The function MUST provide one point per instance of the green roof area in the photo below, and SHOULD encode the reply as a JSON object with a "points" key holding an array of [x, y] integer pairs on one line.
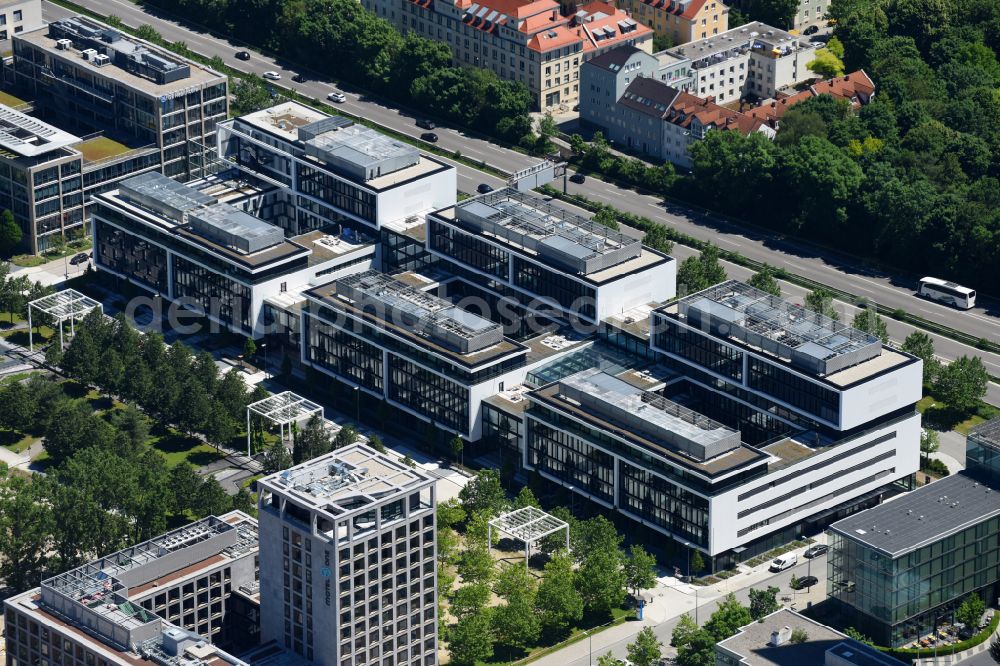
{"points": [[101, 147], [10, 100]]}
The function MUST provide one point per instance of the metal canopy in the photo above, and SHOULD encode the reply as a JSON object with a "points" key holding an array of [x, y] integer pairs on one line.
{"points": [[282, 409], [66, 305], [528, 524]]}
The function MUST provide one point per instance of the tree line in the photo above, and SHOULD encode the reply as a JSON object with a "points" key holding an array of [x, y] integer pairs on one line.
{"points": [[911, 179], [579, 587], [171, 383], [342, 40], [104, 488]]}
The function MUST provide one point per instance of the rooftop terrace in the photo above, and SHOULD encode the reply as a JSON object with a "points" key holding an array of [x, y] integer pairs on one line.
{"points": [[755, 36], [553, 233], [808, 340]]}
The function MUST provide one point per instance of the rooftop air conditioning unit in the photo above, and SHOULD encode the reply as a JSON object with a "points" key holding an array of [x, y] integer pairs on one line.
{"points": [[89, 54], [64, 44], [100, 60]]}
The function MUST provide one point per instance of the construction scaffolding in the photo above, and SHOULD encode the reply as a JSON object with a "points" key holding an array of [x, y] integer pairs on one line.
{"points": [[529, 524], [282, 409], [66, 305]]}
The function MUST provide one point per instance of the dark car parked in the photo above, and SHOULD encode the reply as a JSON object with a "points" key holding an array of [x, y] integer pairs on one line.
{"points": [[79, 259], [423, 123], [429, 136], [805, 581], [578, 178], [242, 55], [484, 188], [811, 30], [816, 549], [298, 78]]}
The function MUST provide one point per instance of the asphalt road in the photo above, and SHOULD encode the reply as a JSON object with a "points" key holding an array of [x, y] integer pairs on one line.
{"points": [[800, 258]]}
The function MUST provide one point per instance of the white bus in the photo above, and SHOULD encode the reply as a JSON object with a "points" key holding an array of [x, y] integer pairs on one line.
{"points": [[947, 292]]}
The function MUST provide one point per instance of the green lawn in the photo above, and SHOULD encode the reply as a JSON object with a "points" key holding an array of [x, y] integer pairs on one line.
{"points": [[20, 336], [15, 440], [619, 615], [16, 377], [177, 447], [9, 320], [940, 416], [10, 100], [101, 147], [28, 260]]}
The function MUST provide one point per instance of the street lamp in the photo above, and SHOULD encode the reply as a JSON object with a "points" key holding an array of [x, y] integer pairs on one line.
{"points": [[263, 346]]}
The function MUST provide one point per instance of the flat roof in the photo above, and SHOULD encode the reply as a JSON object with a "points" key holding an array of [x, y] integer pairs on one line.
{"points": [[753, 644], [29, 137], [425, 320], [921, 517], [732, 460], [553, 233], [738, 40], [199, 74], [778, 328], [340, 137], [986, 433], [333, 482]]}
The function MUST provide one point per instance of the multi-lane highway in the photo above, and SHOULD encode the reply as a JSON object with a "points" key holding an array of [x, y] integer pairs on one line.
{"points": [[892, 291]]}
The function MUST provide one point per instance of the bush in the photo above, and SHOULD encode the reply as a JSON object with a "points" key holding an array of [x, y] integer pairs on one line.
{"points": [[934, 466]]}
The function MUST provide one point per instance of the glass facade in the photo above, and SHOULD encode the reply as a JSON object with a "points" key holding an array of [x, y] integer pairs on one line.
{"points": [[571, 459], [698, 348], [790, 388], [982, 458], [429, 394], [895, 601], [662, 503], [572, 295], [131, 256], [403, 253], [218, 296], [344, 354], [469, 250], [336, 192]]}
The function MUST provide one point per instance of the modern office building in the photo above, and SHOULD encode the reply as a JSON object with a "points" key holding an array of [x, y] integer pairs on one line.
{"points": [[47, 176], [397, 345], [752, 61], [91, 77], [681, 21], [898, 571], [768, 642], [163, 600], [329, 170], [208, 255], [349, 558], [17, 16], [760, 422], [528, 41], [547, 260]]}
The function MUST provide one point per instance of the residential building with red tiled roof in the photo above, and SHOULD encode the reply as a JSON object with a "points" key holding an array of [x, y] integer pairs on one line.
{"points": [[856, 88], [521, 40], [681, 21]]}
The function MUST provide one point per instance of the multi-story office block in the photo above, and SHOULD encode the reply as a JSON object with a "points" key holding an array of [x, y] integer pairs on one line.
{"points": [[348, 553], [329, 170], [549, 261], [47, 176], [754, 60], [764, 422], [162, 600], [898, 571], [93, 78], [416, 352], [526, 40], [681, 21], [212, 257], [17, 16]]}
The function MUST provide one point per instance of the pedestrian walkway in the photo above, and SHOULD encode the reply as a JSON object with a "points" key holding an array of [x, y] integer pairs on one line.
{"points": [[945, 660]]}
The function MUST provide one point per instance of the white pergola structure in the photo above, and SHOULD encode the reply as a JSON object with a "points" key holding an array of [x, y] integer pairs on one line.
{"points": [[66, 305], [283, 409], [528, 524]]}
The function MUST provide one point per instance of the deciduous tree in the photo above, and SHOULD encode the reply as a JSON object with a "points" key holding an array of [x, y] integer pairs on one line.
{"points": [[559, 603], [962, 383], [763, 602], [640, 569], [645, 650]]}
